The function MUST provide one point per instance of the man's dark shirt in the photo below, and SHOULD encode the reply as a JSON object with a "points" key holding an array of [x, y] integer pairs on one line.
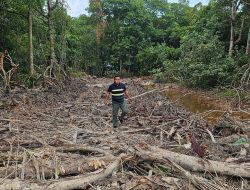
{"points": [[117, 92]]}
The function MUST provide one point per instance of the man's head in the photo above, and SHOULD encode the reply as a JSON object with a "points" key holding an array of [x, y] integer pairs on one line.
{"points": [[117, 79]]}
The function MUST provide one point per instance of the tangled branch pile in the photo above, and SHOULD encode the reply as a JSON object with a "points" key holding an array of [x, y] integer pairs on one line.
{"points": [[63, 139]]}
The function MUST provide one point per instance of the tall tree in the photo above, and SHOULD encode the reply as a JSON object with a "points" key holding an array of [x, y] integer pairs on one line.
{"points": [[97, 12], [50, 8], [31, 54], [248, 43], [61, 26], [31, 6], [234, 8], [248, 38], [47, 12], [96, 9]]}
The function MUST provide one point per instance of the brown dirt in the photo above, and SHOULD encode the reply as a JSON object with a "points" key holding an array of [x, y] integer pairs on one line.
{"points": [[37, 126]]}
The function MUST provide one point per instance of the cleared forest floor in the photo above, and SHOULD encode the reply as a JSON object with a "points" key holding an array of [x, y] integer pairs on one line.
{"points": [[62, 138]]}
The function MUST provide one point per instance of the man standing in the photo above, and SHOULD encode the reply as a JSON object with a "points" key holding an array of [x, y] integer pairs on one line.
{"points": [[117, 89]]}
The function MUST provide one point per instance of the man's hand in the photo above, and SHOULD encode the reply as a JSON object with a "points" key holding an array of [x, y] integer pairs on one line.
{"points": [[106, 102], [129, 100], [128, 96]]}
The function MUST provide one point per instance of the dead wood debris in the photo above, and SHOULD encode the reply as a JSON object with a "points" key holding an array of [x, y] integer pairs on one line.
{"points": [[64, 140]]}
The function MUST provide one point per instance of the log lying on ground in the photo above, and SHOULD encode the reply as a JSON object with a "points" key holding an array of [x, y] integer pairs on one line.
{"points": [[5, 146], [84, 181], [197, 164], [82, 149], [16, 184], [63, 169], [66, 184]]}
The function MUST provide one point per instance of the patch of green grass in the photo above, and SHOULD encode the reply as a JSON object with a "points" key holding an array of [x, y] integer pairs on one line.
{"points": [[29, 80], [163, 168], [232, 93], [77, 74]]}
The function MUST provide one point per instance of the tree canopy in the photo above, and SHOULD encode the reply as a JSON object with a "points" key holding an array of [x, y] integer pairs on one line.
{"points": [[204, 45]]}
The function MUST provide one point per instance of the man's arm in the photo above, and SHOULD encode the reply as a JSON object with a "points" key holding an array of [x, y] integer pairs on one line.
{"points": [[109, 90], [107, 97], [127, 95]]}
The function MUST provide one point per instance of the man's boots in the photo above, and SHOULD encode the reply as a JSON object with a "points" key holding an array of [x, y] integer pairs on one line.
{"points": [[121, 119]]}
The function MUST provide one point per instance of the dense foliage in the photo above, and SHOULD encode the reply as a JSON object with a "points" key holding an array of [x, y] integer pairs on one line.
{"points": [[200, 46]]}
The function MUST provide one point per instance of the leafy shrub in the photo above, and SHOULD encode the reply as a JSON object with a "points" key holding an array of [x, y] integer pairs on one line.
{"points": [[153, 57], [168, 72], [203, 62]]}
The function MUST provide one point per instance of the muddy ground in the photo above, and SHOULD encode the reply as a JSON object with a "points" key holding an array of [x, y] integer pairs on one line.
{"points": [[61, 137]]}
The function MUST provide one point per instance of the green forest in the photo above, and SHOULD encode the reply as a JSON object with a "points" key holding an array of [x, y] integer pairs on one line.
{"points": [[202, 46]]}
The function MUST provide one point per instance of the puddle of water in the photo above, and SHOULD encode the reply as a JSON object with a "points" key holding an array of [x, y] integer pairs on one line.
{"points": [[193, 103], [197, 103]]}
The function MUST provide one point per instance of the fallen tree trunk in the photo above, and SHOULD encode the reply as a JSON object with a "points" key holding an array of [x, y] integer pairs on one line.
{"points": [[148, 92], [82, 182], [48, 172], [82, 149], [25, 144], [63, 169], [17, 184], [66, 184], [197, 164]]}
